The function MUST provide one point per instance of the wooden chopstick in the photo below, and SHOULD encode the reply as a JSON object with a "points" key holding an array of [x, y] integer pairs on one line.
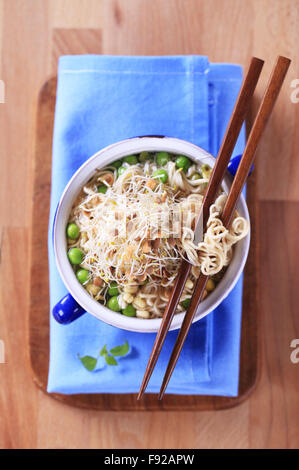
{"points": [[237, 118], [268, 101]]}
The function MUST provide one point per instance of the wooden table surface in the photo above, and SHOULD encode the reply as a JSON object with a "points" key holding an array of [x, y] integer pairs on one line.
{"points": [[225, 30]]}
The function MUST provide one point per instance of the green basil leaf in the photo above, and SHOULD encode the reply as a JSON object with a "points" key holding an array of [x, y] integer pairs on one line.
{"points": [[120, 350], [104, 351], [111, 361], [88, 362]]}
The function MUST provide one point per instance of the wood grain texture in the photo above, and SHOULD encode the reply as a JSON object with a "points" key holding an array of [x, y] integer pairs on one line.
{"points": [[72, 41], [21, 79], [1, 33], [18, 409], [274, 408], [224, 30], [39, 281], [76, 14], [229, 30]]}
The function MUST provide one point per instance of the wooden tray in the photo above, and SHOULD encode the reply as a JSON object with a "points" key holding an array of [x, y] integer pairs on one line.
{"points": [[38, 316]]}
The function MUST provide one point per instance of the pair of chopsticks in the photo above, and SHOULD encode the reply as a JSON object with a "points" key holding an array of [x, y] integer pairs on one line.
{"points": [[237, 118]]}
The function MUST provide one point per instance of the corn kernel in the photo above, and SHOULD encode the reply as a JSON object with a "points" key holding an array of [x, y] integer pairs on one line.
{"points": [[142, 314], [189, 284], [92, 289], [128, 297], [139, 303], [131, 289], [210, 285]]}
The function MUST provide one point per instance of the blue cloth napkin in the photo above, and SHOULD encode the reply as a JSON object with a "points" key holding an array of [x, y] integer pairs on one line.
{"points": [[104, 99]]}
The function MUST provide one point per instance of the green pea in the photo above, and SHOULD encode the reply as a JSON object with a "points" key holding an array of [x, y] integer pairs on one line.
{"points": [[185, 304], [206, 170], [131, 159], [73, 231], [102, 189], [129, 311], [182, 162], [116, 164], [75, 255], [82, 275], [162, 158], [113, 304], [144, 156], [121, 170], [162, 175], [113, 289], [195, 176]]}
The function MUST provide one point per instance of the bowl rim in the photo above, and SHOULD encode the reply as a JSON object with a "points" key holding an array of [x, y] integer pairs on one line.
{"points": [[109, 154]]}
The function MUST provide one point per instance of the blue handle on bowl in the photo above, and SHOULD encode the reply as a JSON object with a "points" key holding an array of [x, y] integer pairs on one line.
{"points": [[67, 310], [234, 163]]}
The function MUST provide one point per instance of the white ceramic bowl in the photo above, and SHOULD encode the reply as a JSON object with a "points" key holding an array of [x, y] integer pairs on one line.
{"points": [[82, 175]]}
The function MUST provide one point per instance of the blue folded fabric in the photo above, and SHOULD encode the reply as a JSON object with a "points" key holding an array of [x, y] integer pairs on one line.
{"points": [[104, 99]]}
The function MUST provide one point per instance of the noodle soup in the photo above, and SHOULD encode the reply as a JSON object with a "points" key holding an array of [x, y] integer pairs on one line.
{"points": [[134, 221]]}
